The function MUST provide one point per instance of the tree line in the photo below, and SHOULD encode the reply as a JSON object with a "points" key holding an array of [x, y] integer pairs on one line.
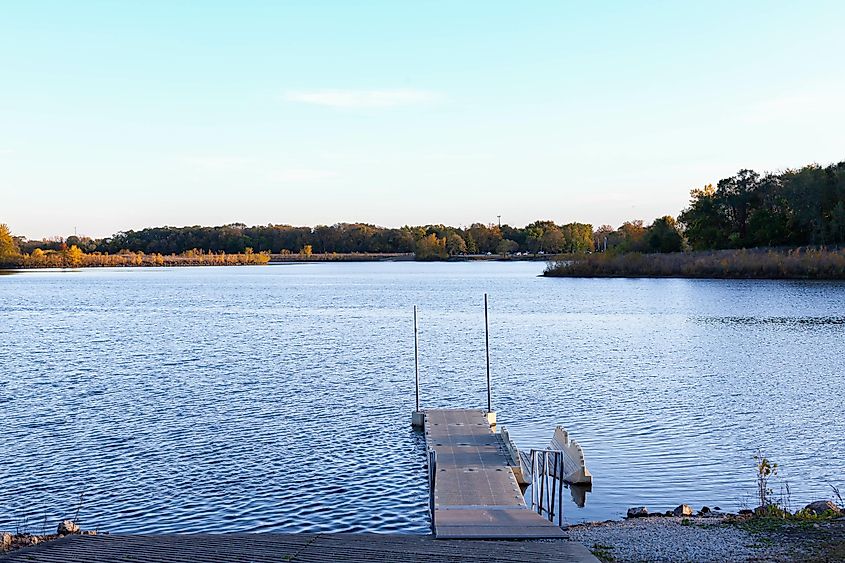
{"points": [[784, 209], [793, 208], [790, 208], [428, 242]]}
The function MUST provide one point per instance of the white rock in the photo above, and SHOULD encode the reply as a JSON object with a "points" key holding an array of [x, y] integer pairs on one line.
{"points": [[67, 527]]}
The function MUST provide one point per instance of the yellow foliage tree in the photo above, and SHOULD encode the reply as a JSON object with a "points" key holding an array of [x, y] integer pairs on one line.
{"points": [[10, 254], [74, 256], [431, 248], [37, 259]]}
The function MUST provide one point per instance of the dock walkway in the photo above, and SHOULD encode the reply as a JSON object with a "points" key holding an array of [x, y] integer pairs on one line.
{"points": [[475, 493]]}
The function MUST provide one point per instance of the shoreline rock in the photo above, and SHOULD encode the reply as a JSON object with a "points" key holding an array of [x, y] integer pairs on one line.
{"points": [[637, 512], [11, 542], [820, 507], [67, 527], [685, 510]]}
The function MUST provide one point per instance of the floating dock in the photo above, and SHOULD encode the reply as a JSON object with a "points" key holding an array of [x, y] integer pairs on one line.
{"points": [[474, 491], [476, 476]]}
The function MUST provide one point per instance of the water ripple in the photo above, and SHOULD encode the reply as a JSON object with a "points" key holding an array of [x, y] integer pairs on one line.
{"points": [[278, 399]]}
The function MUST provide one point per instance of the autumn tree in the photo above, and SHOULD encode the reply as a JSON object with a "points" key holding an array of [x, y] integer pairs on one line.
{"points": [[10, 253], [553, 240], [37, 258], [455, 244], [507, 246], [633, 236], [578, 237], [431, 248], [73, 256], [602, 236]]}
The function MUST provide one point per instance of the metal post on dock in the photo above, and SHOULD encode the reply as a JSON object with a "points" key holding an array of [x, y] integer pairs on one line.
{"points": [[416, 360], [417, 418], [491, 416]]}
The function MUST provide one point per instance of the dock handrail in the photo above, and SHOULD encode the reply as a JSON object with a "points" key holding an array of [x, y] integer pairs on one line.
{"points": [[432, 481], [573, 467], [546, 495]]}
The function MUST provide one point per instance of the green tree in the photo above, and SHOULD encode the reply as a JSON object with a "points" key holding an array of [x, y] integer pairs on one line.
{"points": [[705, 225], [507, 246], [553, 240], [472, 246], [534, 238], [664, 236], [578, 237]]}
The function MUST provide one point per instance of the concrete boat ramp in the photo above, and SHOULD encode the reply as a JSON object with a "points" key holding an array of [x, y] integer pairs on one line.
{"points": [[277, 548]]}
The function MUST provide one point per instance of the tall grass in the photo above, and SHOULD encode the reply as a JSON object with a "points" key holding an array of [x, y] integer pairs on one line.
{"points": [[58, 259], [798, 263]]}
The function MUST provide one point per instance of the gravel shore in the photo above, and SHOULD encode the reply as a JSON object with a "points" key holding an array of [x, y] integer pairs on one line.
{"points": [[670, 539]]}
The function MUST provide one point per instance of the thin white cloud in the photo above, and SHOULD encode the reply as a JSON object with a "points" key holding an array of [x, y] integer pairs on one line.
{"points": [[303, 175], [218, 162], [799, 106], [252, 167], [363, 98]]}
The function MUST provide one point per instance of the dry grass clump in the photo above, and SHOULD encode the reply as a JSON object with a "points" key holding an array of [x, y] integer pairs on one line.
{"points": [[798, 263]]}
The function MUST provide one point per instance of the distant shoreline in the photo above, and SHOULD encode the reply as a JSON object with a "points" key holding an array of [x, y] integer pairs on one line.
{"points": [[754, 264], [140, 260]]}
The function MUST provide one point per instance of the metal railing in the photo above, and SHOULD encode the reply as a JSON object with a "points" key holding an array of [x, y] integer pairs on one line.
{"points": [[432, 481], [547, 474]]}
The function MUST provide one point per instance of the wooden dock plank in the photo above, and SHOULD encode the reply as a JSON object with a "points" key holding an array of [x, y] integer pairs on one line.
{"points": [[476, 494]]}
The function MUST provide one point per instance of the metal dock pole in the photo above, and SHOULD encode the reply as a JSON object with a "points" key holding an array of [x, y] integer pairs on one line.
{"points": [[417, 418], [491, 416]]}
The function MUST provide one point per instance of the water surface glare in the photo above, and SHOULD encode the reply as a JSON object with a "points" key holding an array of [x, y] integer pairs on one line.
{"points": [[278, 398]]}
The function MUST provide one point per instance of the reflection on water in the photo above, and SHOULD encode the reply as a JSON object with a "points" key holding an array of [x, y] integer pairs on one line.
{"points": [[278, 398], [579, 494]]}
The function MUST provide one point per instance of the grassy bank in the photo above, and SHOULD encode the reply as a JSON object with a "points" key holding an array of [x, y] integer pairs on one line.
{"points": [[799, 263], [75, 258], [342, 257]]}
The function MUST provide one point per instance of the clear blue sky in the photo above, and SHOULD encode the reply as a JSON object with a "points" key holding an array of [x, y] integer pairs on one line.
{"points": [[117, 115]]}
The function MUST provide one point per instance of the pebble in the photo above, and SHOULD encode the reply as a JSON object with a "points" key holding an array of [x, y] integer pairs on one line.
{"points": [[666, 539]]}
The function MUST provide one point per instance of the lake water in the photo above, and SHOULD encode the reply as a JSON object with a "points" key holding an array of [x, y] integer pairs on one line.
{"points": [[278, 398]]}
